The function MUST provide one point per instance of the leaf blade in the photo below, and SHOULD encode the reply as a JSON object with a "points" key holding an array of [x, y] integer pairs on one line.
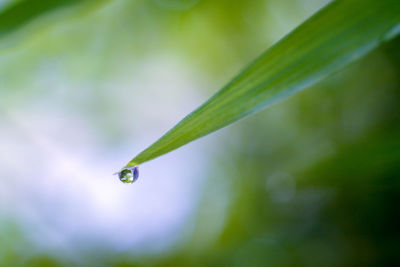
{"points": [[334, 37]]}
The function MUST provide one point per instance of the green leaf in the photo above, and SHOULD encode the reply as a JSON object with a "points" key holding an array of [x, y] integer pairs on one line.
{"points": [[334, 37]]}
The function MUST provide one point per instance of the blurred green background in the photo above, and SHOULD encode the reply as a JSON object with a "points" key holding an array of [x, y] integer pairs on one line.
{"points": [[84, 85]]}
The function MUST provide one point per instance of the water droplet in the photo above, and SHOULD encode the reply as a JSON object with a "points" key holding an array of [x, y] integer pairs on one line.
{"points": [[128, 175]]}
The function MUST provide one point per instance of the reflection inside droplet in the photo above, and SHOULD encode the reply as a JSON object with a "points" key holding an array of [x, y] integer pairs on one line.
{"points": [[128, 175]]}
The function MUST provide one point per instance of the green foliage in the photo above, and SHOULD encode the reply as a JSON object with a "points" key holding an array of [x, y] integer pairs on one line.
{"points": [[336, 36], [22, 13]]}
